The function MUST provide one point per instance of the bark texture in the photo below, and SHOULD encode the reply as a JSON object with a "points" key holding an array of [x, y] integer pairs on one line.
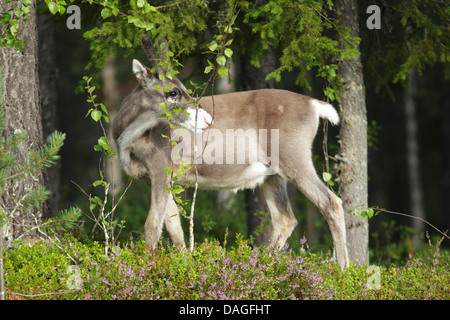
{"points": [[353, 185], [23, 112]]}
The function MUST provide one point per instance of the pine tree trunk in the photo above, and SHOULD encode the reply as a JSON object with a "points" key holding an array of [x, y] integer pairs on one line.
{"points": [[255, 78], [49, 102], [413, 159], [353, 185], [23, 112], [111, 99]]}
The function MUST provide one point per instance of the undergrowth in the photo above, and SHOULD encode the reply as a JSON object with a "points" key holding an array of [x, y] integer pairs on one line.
{"points": [[131, 271]]}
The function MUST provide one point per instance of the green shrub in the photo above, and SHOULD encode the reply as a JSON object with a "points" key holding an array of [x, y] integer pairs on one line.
{"points": [[212, 271]]}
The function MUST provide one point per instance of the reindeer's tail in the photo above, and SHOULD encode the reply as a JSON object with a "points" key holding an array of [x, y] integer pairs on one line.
{"points": [[326, 111]]}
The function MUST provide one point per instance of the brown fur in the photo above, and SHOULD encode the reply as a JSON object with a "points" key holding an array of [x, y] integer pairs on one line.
{"points": [[147, 155]]}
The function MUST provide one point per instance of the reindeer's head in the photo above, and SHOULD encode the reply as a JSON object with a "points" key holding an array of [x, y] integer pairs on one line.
{"points": [[164, 92], [157, 94]]}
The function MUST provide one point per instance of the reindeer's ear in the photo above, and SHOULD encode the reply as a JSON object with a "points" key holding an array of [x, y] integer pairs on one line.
{"points": [[139, 70]]}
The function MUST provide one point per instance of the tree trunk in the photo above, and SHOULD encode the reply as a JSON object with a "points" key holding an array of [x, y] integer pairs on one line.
{"points": [[413, 159], [111, 99], [22, 112], [444, 103], [49, 102], [251, 79], [353, 140]]}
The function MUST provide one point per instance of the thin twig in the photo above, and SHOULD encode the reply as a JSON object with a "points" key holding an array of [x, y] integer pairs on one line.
{"points": [[325, 145], [50, 238], [120, 199], [413, 217], [40, 294], [2, 277], [219, 53], [194, 197], [210, 80], [170, 5]]}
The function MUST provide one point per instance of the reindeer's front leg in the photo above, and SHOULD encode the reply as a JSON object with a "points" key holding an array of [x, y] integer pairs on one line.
{"points": [[162, 209], [173, 227]]}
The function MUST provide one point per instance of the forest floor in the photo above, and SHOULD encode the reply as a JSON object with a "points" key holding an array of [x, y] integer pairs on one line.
{"points": [[81, 270]]}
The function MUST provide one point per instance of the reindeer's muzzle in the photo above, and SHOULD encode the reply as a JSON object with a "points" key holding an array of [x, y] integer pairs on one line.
{"points": [[200, 115]]}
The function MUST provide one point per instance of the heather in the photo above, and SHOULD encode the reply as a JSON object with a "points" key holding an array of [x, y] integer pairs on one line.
{"points": [[80, 270]]}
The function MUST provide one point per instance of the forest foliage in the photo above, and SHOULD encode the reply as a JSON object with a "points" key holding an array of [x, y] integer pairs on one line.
{"points": [[35, 195], [214, 272], [306, 43]]}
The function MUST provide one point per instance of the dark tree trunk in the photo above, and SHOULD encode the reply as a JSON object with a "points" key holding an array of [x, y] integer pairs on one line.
{"points": [[49, 101], [353, 184], [251, 79], [111, 99], [413, 158], [23, 112], [445, 133]]}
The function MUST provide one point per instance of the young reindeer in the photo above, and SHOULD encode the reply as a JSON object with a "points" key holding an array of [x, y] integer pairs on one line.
{"points": [[292, 120]]}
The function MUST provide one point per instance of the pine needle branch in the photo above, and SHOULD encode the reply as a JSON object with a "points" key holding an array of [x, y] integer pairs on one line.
{"points": [[44, 157]]}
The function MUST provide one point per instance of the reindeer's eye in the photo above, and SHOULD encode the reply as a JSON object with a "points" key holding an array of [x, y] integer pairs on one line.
{"points": [[173, 93]]}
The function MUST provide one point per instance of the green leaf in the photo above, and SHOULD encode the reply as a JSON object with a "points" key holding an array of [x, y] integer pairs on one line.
{"points": [[53, 7], [18, 13], [213, 46], [149, 26], [228, 52], [148, 8], [103, 141], [141, 3], [96, 115], [326, 176], [358, 212], [14, 27], [221, 60], [25, 8], [104, 108], [106, 13], [20, 45], [96, 183], [98, 148], [10, 43], [223, 72], [208, 69]]}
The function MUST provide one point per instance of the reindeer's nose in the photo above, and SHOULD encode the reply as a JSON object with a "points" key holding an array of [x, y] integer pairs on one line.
{"points": [[203, 118], [207, 117]]}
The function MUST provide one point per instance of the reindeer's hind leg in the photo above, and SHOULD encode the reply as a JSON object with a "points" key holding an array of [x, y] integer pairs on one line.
{"points": [[328, 203], [283, 219]]}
